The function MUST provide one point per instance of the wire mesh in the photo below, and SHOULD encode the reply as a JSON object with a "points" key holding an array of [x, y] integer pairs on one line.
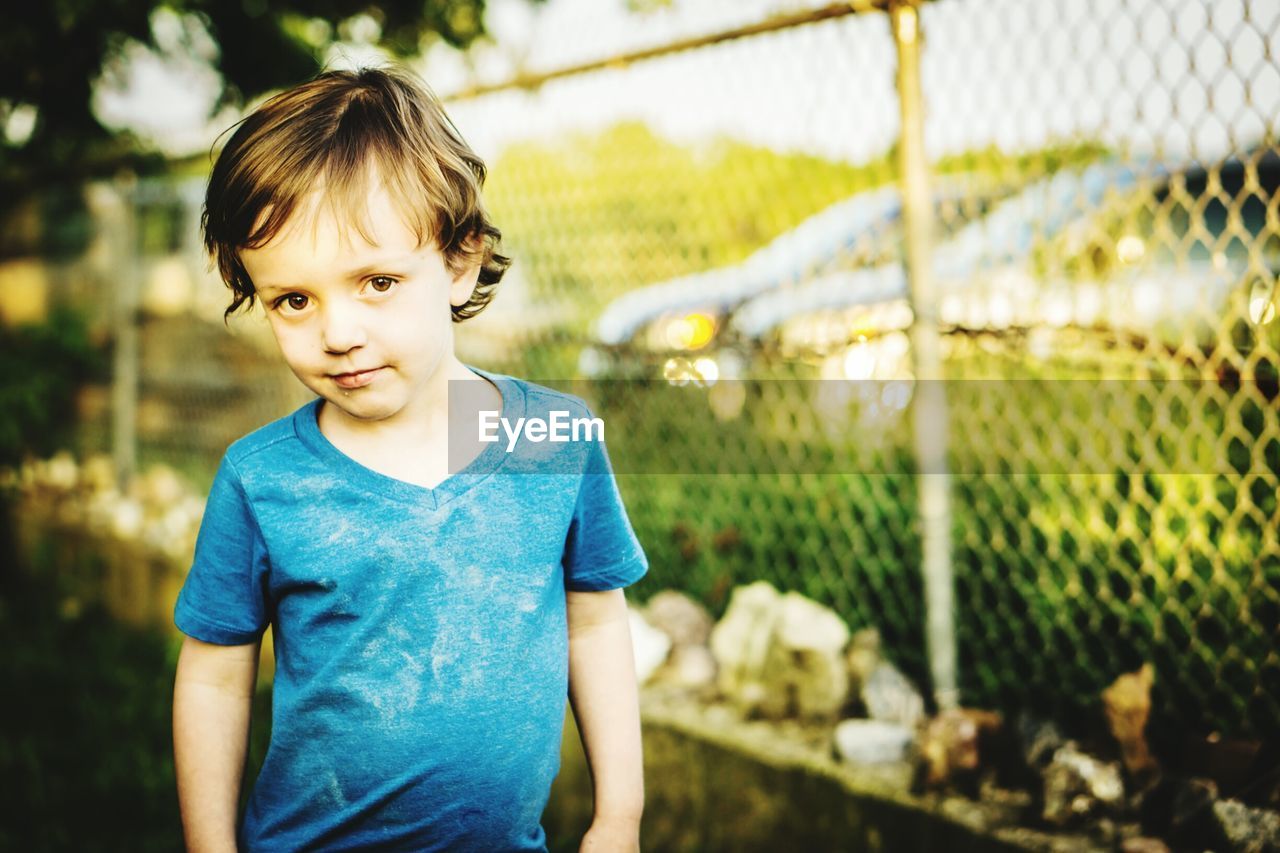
{"points": [[1104, 186], [1105, 181]]}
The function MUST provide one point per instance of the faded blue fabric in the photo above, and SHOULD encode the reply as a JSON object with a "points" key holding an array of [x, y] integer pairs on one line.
{"points": [[420, 634]]}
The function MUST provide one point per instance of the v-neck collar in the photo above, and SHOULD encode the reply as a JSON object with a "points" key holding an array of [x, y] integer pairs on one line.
{"points": [[490, 459]]}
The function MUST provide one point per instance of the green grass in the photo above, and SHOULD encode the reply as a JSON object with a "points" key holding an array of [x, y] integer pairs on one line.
{"points": [[87, 754]]}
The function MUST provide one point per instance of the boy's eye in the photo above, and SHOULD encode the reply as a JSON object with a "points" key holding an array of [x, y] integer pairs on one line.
{"points": [[290, 298], [382, 283]]}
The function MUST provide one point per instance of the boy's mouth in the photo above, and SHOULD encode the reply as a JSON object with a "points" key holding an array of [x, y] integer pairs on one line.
{"points": [[357, 379]]}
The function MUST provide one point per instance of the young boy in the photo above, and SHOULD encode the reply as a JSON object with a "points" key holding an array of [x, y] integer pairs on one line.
{"points": [[433, 597]]}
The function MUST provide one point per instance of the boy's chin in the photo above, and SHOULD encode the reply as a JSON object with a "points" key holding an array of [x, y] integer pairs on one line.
{"points": [[359, 404]]}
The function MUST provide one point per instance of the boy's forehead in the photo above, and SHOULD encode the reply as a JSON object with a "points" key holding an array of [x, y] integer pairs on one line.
{"points": [[321, 219]]}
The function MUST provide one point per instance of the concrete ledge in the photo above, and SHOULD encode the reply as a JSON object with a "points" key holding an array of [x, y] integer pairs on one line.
{"points": [[715, 782]]}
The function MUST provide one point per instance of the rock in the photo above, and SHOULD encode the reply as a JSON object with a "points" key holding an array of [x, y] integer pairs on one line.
{"points": [[158, 487], [1244, 829], [872, 741], [650, 645], [1263, 786], [1243, 768], [780, 655], [890, 696], [1187, 812], [1018, 753], [726, 539], [1178, 808], [100, 510], [1143, 844], [61, 471], [804, 672], [691, 667], [173, 532], [681, 618], [1038, 740], [1078, 786], [99, 473], [949, 747], [686, 538], [1128, 706], [126, 518], [740, 641], [862, 658]]}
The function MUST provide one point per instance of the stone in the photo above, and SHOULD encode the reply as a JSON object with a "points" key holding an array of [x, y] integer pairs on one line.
{"points": [[1143, 844], [1178, 808], [740, 641], [690, 666], [804, 672], [100, 510], [158, 487], [99, 473], [950, 746], [681, 618], [1246, 829], [890, 696], [1078, 786], [61, 471], [649, 644], [126, 518], [1128, 707], [780, 656], [863, 657], [872, 741], [1038, 740]]}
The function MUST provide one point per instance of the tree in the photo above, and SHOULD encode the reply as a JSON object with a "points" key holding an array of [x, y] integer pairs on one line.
{"points": [[51, 51]]}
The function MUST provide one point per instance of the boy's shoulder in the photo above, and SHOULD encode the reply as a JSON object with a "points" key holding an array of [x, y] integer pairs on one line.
{"points": [[248, 449], [541, 400]]}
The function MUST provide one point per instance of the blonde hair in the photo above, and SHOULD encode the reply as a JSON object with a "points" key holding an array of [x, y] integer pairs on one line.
{"points": [[334, 131]]}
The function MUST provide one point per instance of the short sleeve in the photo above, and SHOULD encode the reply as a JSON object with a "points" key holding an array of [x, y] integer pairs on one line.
{"points": [[601, 550], [224, 599]]}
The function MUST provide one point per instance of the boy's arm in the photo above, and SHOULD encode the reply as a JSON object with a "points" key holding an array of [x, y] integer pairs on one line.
{"points": [[605, 701], [212, 704]]}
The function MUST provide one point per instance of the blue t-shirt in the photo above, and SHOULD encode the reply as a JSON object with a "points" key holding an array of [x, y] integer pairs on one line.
{"points": [[421, 643]]}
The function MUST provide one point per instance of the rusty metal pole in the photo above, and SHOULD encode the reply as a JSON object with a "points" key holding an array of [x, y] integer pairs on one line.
{"points": [[124, 380], [929, 410]]}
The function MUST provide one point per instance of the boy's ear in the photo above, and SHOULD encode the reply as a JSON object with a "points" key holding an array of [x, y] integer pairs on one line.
{"points": [[464, 283]]}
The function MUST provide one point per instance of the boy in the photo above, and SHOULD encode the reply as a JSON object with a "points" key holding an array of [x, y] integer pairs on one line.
{"points": [[430, 607]]}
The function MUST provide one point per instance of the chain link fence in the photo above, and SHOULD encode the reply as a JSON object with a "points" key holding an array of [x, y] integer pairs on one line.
{"points": [[723, 215], [1103, 195], [126, 255]]}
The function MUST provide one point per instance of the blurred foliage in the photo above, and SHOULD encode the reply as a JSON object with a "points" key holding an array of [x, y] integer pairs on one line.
{"points": [[54, 224], [51, 54], [87, 751], [642, 208], [88, 745], [1068, 572], [1020, 167], [597, 215], [43, 366]]}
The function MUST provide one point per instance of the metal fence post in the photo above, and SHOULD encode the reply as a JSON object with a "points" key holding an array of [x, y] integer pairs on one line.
{"points": [[124, 379], [929, 411]]}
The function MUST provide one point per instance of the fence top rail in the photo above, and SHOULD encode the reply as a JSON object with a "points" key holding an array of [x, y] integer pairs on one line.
{"points": [[772, 23]]}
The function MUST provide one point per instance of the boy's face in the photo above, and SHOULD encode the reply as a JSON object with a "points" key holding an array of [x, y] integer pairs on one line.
{"points": [[378, 310]]}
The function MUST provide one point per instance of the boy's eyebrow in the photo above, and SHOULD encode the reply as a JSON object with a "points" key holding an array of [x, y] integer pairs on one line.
{"points": [[384, 265]]}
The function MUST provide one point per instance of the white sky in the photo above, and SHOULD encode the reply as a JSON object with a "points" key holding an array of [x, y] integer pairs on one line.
{"points": [[1194, 77]]}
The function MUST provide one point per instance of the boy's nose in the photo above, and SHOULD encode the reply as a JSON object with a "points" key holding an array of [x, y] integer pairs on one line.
{"points": [[342, 331]]}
